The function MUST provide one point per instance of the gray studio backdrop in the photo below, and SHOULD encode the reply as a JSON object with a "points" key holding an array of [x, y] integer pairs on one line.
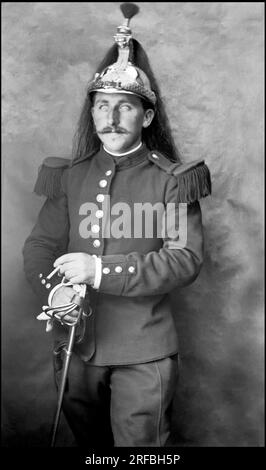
{"points": [[208, 58]]}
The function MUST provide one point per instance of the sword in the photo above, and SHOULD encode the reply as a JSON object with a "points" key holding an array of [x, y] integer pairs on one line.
{"points": [[49, 313], [68, 352]]}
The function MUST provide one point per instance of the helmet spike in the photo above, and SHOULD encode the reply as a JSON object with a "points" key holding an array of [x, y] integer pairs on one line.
{"points": [[124, 33]]}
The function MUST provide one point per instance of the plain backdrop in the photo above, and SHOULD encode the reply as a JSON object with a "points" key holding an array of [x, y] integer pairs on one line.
{"points": [[208, 59]]}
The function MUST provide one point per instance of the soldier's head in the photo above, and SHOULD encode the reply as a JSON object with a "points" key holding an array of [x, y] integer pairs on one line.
{"points": [[119, 119], [123, 104]]}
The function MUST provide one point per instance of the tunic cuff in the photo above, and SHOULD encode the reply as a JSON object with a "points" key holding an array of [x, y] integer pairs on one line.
{"points": [[115, 272]]}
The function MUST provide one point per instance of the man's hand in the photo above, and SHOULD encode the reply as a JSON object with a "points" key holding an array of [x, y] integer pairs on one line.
{"points": [[78, 268], [63, 296]]}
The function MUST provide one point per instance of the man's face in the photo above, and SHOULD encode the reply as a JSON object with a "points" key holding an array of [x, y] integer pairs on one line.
{"points": [[119, 119]]}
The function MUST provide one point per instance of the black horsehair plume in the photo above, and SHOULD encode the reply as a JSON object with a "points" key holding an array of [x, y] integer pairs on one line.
{"points": [[129, 10]]}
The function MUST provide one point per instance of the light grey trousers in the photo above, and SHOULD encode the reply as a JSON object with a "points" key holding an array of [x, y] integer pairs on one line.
{"points": [[124, 406]]}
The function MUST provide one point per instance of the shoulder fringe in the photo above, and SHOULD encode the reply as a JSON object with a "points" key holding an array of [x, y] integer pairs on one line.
{"points": [[194, 179], [49, 177], [194, 183]]}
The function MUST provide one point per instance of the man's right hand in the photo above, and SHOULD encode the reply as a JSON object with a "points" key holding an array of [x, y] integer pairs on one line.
{"points": [[62, 296]]}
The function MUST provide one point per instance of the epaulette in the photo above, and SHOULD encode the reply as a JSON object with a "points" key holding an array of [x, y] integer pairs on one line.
{"points": [[194, 179], [49, 177]]}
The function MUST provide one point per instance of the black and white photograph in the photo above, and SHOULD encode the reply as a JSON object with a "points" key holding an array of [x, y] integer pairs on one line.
{"points": [[132, 228]]}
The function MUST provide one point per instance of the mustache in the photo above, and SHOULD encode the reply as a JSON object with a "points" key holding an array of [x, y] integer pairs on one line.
{"points": [[112, 130]]}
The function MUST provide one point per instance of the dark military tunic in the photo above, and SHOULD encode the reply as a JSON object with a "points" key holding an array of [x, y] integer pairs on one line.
{"points": [[132, 320]]}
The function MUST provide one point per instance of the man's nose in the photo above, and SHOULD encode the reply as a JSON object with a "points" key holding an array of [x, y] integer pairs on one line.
{"points": [[113, 117]]}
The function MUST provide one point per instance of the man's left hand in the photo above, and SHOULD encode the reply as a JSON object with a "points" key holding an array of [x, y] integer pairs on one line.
{"points": [[78, 268]]}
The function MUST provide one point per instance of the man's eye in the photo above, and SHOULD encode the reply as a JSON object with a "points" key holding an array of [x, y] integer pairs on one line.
{"points": [[103, 107], [126, 107]]}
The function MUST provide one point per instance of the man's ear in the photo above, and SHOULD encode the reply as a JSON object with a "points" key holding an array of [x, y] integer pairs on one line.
{"points": [[148, 117]]}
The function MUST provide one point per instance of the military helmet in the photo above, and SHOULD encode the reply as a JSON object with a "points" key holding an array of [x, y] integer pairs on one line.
{"points": [[123, 76]]}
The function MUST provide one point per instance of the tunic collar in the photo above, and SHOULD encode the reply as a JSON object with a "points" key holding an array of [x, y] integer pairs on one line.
{"points": [[126, 161]]}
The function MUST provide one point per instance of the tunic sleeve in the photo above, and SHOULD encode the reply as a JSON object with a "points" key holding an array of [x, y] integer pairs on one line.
{"points": [[47, 241]]}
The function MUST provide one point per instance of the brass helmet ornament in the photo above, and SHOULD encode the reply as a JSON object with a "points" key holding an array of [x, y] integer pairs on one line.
{"points": [[122, 76]]}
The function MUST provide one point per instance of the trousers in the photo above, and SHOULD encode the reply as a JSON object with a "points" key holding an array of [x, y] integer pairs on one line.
{"points": [[121, 406]]}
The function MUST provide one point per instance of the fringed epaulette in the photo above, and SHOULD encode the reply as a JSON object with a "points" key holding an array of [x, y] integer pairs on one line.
{"points": [[194, 179], [49, 177]]}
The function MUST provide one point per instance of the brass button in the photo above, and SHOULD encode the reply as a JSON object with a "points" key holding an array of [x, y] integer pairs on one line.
{"points": [[48, 285], [95, 228], [118, 269], [96, 243], [106, 270], [131, 269], [108, 172], [103, 183], [100, 198], [155, 156], [99, 214]]}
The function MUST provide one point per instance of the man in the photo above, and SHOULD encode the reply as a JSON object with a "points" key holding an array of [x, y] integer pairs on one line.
{"points": [[123, 373]]}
